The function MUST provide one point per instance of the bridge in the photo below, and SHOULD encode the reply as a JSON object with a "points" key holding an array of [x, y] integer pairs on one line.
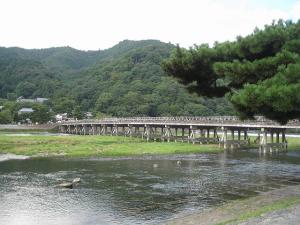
{"points": [[228, 131]]}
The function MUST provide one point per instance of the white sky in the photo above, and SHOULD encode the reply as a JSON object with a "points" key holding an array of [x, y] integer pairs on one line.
{"points": [[100, 24]]}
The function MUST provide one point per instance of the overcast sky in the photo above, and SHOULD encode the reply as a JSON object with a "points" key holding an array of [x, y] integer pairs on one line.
{"points": [[100, 24]]}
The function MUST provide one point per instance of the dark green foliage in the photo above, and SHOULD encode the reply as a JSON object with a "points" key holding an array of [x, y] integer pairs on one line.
{"points": [[259, 73], [41, 114], [278, 97], [77, 114], [25, 77], [63, 105], [134, 84], [25, 89], [125, 80], [11, 96], [5, 117]]}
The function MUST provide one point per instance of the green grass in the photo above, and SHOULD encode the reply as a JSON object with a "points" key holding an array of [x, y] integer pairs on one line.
{"points": [[275, 206], [85, 146], [293, 143]]}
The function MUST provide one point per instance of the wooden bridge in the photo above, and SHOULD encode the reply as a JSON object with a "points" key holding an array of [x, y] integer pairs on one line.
{"points": [[227, 131]]}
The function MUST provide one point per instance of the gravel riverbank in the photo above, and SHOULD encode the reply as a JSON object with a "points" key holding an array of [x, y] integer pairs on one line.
{"points": [[280, 206]]}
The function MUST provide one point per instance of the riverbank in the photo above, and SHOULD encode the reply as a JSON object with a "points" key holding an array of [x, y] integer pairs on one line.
{"points": [[277, 206], [89, 146]]}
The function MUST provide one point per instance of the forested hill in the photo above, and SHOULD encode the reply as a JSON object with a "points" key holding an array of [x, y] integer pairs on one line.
{"points": [[125, 80], [70, 60]]}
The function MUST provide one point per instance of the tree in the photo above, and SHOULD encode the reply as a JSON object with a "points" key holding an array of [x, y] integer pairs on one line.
{"points": [[63, 105], [259, 73], [77, 113], [5, 117], [11, 96], [40, 114], [25, 89]]}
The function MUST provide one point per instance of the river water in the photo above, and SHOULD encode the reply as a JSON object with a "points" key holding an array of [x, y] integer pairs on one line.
{"points": [[135, 190]]}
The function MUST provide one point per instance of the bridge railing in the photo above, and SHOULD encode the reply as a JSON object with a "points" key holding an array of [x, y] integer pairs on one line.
{"points": [[260, 120]]}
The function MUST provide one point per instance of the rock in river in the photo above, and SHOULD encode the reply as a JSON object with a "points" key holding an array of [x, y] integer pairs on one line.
{"points": [[70, 184]]}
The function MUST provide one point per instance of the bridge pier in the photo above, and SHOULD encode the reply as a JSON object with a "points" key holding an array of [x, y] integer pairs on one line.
{"points": [[233, 143], [268, 145], [147, 133], [167, 133]]}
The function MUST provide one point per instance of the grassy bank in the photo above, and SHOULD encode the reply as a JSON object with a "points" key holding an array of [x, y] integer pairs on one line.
{"points": [[278, 205], [84, 146], [293, 144]]}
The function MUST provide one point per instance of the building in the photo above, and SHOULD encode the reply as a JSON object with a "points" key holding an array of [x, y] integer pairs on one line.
{"points": [[36, 100], [22, 99], [41, 100], [25, 111], [61, 117], [88, 115]]}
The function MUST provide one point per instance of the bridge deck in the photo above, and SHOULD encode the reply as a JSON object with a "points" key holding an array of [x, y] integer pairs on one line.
{"points": [[228, 121]]}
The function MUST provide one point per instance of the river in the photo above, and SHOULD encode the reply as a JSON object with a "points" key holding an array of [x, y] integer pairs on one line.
{"points": [[135, 190]]}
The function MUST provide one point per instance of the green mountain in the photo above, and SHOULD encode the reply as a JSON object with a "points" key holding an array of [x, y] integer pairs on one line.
{"points": [[125, 80]]}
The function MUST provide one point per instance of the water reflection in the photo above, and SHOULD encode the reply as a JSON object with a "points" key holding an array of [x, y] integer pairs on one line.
{"points": [[132, 190]]}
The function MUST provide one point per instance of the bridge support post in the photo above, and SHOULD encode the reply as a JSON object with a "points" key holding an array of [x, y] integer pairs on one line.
{"points": [[86, 129], [245, 135], [232, 133], [215, 133], [61, 129], [155, 133], [263, 141], [104, 129], [167, 133], [144, 131], [130, 130], [94, 129], [272, 141], [284, 141], [147, 132], [192, 134], [82, 130], [277, 137], [114, 130], [223, 141]]}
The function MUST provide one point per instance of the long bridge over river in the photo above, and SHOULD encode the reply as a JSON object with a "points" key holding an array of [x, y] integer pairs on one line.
{"points": [[228, 131]]}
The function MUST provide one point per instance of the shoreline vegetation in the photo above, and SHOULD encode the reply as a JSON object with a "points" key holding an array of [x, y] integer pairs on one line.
{"points": [[95, 146], [103, 146]]}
